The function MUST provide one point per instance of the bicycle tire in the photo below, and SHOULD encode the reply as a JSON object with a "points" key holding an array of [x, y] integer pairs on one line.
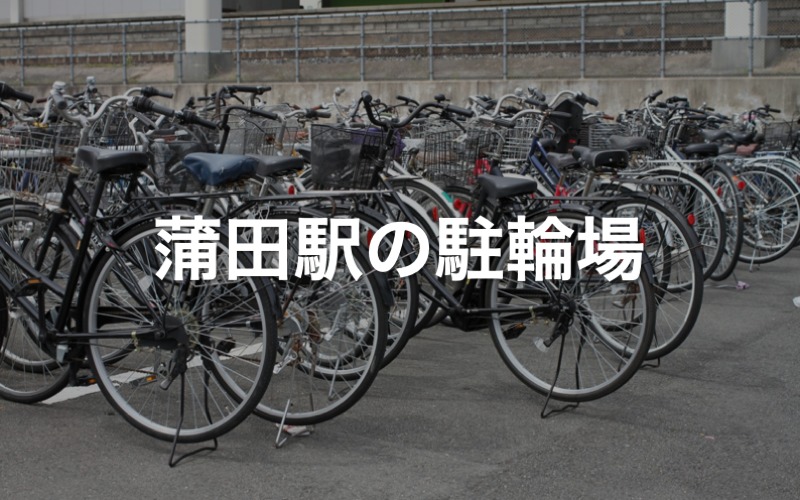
{"points": [[28, 371], [723, 180], [331, 341], [771, 204], [675, 256], [231, 335], [698, 202], [513, 338]]}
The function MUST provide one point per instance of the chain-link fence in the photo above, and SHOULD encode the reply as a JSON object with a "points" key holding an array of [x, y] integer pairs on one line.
{"points": [[637, 39]]}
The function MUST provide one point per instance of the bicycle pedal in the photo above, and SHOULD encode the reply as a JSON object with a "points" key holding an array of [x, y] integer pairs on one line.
{"points": [[225, 346], [514, 331], [84, 381], [27, 288]]}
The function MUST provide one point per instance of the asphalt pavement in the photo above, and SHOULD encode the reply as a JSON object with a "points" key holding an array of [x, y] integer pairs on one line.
{"points": [[719, 418]]}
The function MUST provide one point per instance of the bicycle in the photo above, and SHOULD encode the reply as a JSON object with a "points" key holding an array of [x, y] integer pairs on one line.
{"points": [[217, 338]]}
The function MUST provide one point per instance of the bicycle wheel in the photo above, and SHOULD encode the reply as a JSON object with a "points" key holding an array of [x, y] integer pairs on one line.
{"points": [[331, 341], [29, 372], [771, 204], [427, 306], [675, 256], [406, 297], [692, 196], [726, 185], [220, 333], [594, 339], [437, 204]]}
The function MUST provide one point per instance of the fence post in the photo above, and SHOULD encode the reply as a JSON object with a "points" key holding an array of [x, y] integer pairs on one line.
{"points": [[751, 47], [663, 69], [124, 54], [583, 41], [180, 52], [430, 45], [505, 44], [71, 56], [297, 49], [21, 58], [361, 47], [238, 51]]}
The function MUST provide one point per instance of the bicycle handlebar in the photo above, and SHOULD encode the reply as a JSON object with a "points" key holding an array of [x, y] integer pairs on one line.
{"points": [[190, 117], [367, 99], [8, 92], [586, 99], [152, 91], [260, 112], [250, 89], [144, 104], [652, 96], [59, 101], [409, 101]]}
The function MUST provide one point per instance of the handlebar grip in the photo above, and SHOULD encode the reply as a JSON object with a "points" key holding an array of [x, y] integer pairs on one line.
{"points": [[591, 100], [502, 122], [459, 111], [559, 114], [59, 101], [653, 95], [318, 113], [366, 97], [709, 108], [539, 95], [146, 105], [251, 89], [152, 91], [407, 100], [771, 110], [677, 98], [8, 92], [481, 102], [264, 113], [190, 117], [695, 117], [535, 102]]}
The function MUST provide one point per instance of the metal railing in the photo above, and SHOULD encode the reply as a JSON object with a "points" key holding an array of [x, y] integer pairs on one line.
{"points": [[649, 38]]}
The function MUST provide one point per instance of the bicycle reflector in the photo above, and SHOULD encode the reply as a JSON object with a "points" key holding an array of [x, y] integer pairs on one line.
{"points": [[691, 219]]}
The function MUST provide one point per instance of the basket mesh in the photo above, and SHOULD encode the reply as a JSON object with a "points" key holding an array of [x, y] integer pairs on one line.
{"points": [[344, 158], [777, 135], [253, 134], [595, 135], [452, 156], [517, 140], [31, 159]]}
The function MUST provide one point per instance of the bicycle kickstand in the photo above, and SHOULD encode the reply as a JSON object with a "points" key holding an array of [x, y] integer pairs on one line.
{"points": [[289, 431]]}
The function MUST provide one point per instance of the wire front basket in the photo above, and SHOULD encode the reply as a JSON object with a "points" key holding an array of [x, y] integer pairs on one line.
{"points": [[777, 135], [343, 158], [517, 141], [253, 134], [454, 157], [116, 130], [32, 159], [596, 135]]}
